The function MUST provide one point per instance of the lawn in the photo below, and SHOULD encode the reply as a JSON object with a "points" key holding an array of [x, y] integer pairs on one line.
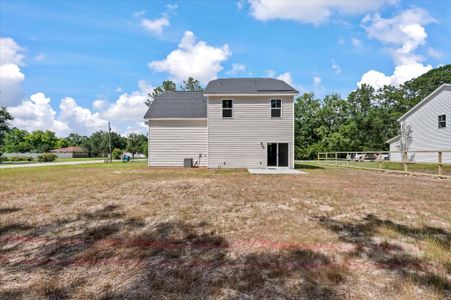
{"points": [[428, 168], [129, 231]]}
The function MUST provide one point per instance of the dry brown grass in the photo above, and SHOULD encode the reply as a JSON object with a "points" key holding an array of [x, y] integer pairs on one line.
{"points": [[127, 231]]}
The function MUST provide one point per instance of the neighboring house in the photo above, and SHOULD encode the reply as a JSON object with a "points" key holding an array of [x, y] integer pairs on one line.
{"points": [[70, 152], [427, 126], [234, 123]]}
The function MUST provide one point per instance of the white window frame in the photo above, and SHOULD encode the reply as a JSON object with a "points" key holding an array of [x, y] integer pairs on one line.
{"points": [[270, 109], [231, 109], [442, 121]]}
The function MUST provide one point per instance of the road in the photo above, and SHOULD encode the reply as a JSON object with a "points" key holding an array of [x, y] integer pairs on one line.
{"points": [[80, 162]]}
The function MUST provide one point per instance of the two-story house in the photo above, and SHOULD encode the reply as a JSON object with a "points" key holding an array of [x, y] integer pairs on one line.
{"points": [[234, 123], [426, 127]]}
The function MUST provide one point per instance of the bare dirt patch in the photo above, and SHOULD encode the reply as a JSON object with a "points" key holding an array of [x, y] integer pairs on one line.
{"points": [[127, 231]]}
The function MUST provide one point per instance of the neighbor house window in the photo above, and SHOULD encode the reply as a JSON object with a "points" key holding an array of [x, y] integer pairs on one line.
{"points": [[442, 121], [227, 108], [276, 108]]}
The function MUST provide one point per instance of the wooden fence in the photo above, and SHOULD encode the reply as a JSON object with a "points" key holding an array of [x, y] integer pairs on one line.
{"points": [[428, 162]]}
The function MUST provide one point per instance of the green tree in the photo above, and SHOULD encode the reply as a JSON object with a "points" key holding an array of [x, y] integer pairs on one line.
{"points": [[306, 120], [61, 143], [98, 144], [167, 85], [14, 141], [74, 139], [136, 143], [41, 141], [5, 117], [191, 84]]}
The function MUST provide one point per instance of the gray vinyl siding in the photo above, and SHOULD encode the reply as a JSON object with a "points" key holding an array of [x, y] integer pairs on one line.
{"points": [[241, 141], [425, 132], [170, 141]]}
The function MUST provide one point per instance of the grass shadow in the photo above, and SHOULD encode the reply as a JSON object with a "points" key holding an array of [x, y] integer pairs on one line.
{"points": [[391, 256], [306, 166]]}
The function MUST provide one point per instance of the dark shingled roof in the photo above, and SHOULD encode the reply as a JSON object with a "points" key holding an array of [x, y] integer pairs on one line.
{"points": [[249, 86], [179, 104]]}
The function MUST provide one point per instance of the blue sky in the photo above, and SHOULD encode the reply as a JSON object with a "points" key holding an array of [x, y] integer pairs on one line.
{"points": [[73, 65]]}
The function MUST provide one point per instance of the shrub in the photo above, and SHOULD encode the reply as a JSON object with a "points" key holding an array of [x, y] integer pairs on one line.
{"points": [[117, 153], [46, 157], [21, 158]]}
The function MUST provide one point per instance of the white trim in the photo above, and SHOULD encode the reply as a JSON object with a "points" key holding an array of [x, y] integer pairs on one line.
{"points": [[252, 95], [393, 139], [222, 108], [426, 99], [270, 109], [174, 119]]}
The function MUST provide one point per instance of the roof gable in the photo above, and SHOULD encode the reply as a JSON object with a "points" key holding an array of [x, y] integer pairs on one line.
{"points": [[178, 104], [425, 100]]}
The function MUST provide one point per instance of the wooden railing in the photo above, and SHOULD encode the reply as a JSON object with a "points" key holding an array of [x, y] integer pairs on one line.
{"points": [[424, 162]]}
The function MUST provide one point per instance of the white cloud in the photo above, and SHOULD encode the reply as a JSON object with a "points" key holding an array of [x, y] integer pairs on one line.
{"points": [[335, 67], [196, 59], [404, 33], [139, 13], [37, 113], [435, 53], [11, 76], [118, 89], [10, 84], [156, 26], [312, 11], [356, 42], [79, 119], [125, 114], [40, 57], [98, 104], [10, 52], [240, 4], [236, 69], [271, 73], [286, 77], [316, 81]]}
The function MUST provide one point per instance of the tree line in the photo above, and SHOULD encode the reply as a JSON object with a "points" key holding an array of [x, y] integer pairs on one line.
{"points": [[15, 140], [362, 121]]}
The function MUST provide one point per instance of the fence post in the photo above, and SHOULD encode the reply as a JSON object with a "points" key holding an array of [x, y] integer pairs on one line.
{"points": [[404, 161], [440, 165], [318, 157], [380, 161], [348, 157], [336, 159]]}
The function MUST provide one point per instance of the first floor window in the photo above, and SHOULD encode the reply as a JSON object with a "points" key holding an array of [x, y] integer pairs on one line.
{"points": [[276, 108], [227, 106], [442, 121]]}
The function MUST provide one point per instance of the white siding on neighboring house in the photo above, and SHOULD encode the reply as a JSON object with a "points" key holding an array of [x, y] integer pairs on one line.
{"points": [[170, 141], [423, 122], [395, 152], [241, 141]]}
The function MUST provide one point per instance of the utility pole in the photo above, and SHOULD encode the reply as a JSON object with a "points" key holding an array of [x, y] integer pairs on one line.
{"points": [[109, 142]]}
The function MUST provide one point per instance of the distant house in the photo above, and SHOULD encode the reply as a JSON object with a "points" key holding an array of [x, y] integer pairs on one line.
{"points": [[234, 123], [427, 126], [70, 152]]}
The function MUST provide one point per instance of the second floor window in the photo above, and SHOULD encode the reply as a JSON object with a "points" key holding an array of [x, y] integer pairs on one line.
{"points": [[227, 108], [442, 121], [276, 108]]}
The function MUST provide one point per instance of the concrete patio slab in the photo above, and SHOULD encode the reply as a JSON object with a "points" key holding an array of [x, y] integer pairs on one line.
{"points": [[281, 171]]}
